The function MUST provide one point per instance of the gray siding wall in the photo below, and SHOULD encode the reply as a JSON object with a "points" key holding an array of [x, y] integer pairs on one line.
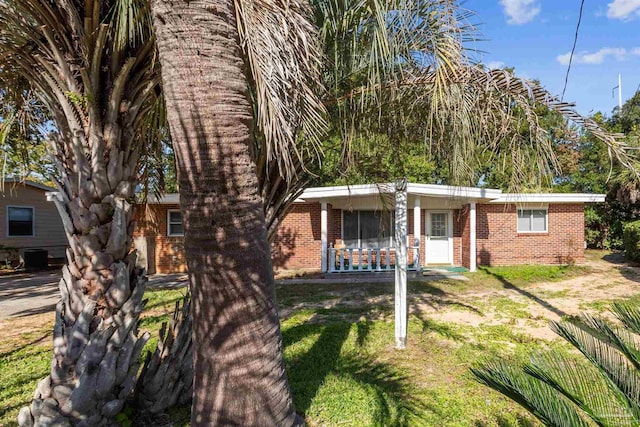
{"points": [[48, 231]]}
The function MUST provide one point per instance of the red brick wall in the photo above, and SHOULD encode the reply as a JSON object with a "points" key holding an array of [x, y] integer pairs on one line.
{"points": [[297, 243], [499, 243], [168, 251], [464, 227], [457, 237]]}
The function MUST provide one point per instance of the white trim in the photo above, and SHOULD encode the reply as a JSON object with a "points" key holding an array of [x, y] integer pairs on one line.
{"points": [[546, 220], [453, 191], [169, 234], [550, 198], [33, 221], [316, 193], [417, 237], [427, 232], [480, 194], [323, 237], [165, 199], [472, 237]]}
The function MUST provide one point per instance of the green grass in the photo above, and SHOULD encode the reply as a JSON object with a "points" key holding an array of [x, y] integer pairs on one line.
{"points": [[525, 274], [339, 353]]}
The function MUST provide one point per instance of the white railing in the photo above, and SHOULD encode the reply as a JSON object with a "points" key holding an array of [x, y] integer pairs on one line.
{"points": [[344, 260]]}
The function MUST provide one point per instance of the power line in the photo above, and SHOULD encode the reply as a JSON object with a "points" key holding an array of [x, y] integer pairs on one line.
{"points": [[573, 49]]}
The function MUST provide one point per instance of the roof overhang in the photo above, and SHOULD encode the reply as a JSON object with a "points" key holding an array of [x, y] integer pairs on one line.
{"points": [[550, 198], [165, 199], [427, 190], [317, 194], [29, 183]]}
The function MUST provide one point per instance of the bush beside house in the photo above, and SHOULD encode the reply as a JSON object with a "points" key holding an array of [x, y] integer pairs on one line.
{"points": [[631, 238]]}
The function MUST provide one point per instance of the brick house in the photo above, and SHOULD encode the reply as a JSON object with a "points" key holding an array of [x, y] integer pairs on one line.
{"points": [[351, 228]]}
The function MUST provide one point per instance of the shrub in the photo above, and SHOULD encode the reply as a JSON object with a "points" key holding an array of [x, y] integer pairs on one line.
{"points": [[631, 238]]}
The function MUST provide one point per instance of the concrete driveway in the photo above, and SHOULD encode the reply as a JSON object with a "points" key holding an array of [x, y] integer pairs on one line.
{"points": [[34, 293]]}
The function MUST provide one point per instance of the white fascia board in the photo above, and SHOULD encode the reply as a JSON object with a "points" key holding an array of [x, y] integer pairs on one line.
{"points": [[434, 190], [319, 193], [550, 198], [165, 199], [453, 191]]}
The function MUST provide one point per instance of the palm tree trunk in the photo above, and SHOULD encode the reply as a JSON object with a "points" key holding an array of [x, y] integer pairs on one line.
{"points": [[96, 344], [240, 377]]}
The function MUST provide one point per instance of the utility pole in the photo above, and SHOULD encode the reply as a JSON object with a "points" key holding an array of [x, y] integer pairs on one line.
{"points": [[619, 93]]}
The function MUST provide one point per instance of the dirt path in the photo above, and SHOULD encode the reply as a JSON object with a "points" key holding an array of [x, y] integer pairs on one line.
{"points": [[529, 309]]}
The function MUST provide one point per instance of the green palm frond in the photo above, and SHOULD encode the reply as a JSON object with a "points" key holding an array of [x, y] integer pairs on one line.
{"points": [[603, 387], [537, 397], [583, 385], [628, 314]]}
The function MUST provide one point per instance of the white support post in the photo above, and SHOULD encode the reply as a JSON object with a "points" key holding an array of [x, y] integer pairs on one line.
{"points": [[401, 264], [472, 236], [417, 221], [323, 237]]}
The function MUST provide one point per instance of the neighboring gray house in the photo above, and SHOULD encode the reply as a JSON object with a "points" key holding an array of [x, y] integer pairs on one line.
{"points": [[28, 221]]}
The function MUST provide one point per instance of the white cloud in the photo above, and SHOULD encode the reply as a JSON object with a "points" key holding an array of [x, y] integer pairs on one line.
{"points": [[623, 9], [493, 65], [616, 53], [520, 11]]}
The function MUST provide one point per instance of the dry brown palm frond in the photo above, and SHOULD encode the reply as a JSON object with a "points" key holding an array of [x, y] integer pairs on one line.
{"points": [[280, 44]]}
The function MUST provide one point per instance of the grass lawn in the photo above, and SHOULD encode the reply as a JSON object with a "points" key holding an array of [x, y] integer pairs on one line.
{"points": [[339, 351]]}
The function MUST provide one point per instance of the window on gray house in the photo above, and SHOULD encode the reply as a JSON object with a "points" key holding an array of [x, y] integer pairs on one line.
{"points": [[20, 221]]}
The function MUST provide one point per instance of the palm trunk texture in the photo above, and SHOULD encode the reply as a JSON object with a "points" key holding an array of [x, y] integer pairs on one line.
{"points": [[96, 344], [239, 371]]}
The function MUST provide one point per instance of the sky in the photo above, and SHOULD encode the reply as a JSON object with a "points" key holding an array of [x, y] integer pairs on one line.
{"points": [[536, 37]]}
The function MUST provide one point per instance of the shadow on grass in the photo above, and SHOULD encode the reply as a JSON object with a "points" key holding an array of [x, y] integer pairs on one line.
{"points": [[520, 421], [436, 298], [442, 329], [510, 286], [23, 346], [388, 392]]}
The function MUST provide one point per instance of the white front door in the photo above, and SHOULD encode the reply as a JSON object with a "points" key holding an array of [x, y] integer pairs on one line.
{"points": [[439, 237]]}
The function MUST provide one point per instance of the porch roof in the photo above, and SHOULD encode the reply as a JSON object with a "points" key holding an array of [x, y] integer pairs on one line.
{"points": [[413, 189]]}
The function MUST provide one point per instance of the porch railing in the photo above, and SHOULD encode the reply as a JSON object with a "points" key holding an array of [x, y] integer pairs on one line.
{"points": [[344, 260]]}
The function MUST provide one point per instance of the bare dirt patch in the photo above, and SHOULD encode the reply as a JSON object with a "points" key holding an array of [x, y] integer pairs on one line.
{"points": [[528, 309]]}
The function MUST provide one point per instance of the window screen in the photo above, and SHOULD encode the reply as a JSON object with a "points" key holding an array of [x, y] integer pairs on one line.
{"points": [[368, 229], [20, 221], [532, 220], [350, 229], [175, 224]]}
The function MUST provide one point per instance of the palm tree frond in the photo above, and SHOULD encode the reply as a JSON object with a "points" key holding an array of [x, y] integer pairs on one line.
{"points": [[537, 397], [284, 60]]}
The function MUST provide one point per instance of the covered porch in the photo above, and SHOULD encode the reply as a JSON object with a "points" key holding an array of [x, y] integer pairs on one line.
{"points": [[357, 224]]}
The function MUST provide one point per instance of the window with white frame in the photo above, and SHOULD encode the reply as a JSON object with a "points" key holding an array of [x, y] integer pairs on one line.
{"points": [[532, 220], [368, 229], [20, 221], [174, 223]]}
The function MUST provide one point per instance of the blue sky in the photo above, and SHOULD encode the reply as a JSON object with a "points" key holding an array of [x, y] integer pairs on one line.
{"points": [[536, 36]]}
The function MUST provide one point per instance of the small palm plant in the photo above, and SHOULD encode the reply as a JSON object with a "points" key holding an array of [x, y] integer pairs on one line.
{"points": [[562, 391]]}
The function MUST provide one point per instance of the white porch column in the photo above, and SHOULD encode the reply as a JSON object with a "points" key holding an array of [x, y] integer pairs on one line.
{"points": [[472, 236], [323, 236], [401, 264], [417, 221]]}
